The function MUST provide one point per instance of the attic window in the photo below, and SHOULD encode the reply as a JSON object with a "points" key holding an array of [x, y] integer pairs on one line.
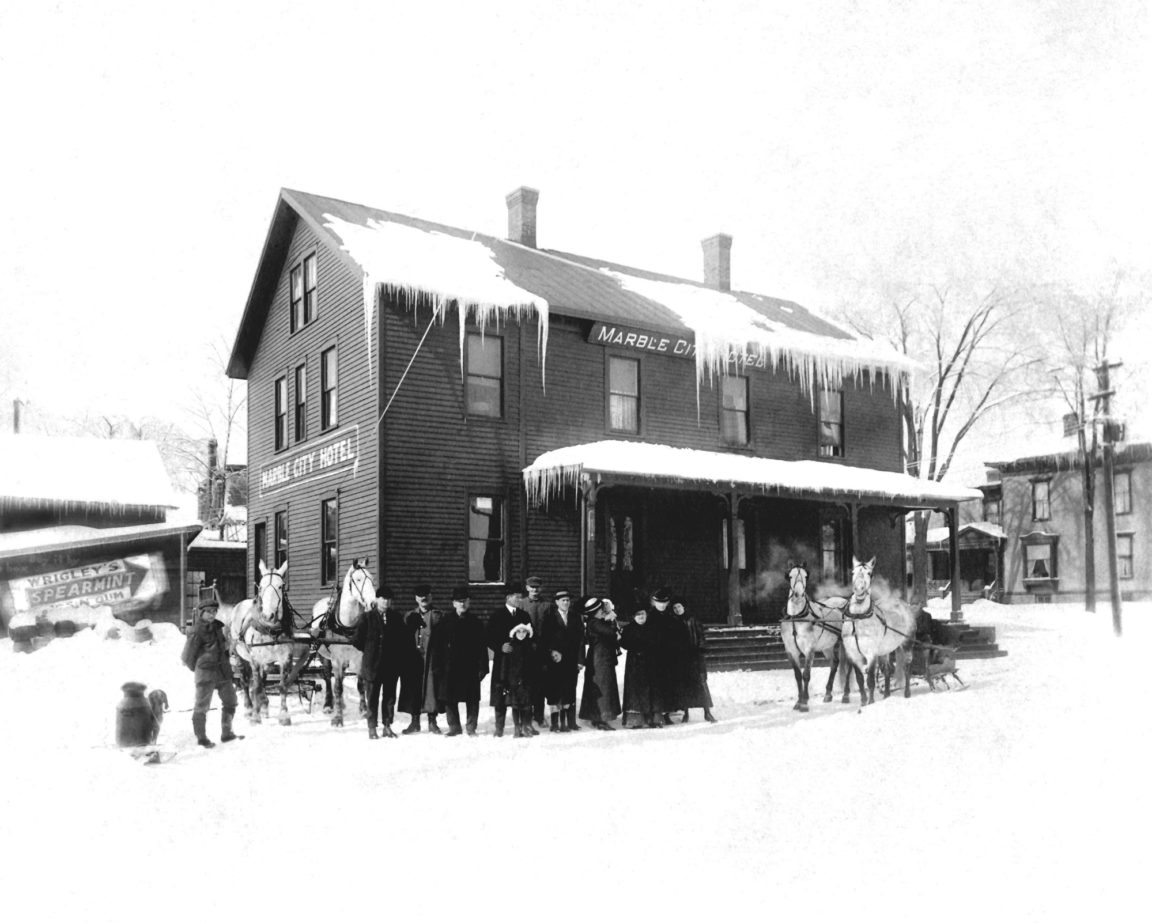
{"points": [[302, 292]]}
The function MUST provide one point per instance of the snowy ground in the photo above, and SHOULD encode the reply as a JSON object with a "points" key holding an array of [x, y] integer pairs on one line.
{"points": [[1022, 796]]}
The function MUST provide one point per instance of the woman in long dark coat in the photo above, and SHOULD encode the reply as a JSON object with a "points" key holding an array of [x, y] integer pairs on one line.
{"points": [[641, 689], [694, 691], [600, 702]]}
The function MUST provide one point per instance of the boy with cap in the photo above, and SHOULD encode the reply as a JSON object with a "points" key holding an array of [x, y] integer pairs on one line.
{"points": [[537, 606], [500, 623], [377, 660], [465, 655], [562, 654], [418, 684], [206, 654]]}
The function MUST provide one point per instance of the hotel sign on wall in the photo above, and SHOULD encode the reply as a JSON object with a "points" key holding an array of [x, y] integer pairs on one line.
{"points": [[337, 453], [653, 341]]}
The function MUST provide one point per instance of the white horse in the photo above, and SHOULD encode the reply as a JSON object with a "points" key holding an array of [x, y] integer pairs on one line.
{"points": [[262, 636], [869, 633], [338, 617], [807, 629]]}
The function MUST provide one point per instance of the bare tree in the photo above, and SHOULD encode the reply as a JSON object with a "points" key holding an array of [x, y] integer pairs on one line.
{"points": [[976, 356]]}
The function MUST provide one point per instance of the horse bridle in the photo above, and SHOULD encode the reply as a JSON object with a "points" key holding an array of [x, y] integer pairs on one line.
{"points": [[358, 585], [279, 591]]}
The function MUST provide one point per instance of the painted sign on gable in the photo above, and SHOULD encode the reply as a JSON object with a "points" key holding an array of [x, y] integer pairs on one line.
{"points": [[337, 453]]}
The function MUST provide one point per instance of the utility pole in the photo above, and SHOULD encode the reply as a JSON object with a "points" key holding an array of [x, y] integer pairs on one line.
{"points": [[1105, 395]]}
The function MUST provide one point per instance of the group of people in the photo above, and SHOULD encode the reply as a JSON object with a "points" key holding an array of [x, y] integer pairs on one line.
{"points": [[535, 651]]}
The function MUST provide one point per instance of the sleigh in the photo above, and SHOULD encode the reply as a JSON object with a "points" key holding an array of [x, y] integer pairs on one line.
{"points": [[934, 662]]}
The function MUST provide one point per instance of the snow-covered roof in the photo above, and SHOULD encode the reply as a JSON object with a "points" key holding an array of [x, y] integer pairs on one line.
{"points": [[554, 470], [209, 539], [492, 278], [939, 534], [78, 470], [62, 538]]}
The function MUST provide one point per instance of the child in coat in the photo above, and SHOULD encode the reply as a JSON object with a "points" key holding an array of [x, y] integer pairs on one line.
{"points": [[517, 678]]}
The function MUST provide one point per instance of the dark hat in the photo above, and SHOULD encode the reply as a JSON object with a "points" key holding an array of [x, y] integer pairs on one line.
{"points": [[461, 592], [561, 594], [534, 581], [591, 605], [384, 592], [514, 589], [423, 589], [661, 595]]}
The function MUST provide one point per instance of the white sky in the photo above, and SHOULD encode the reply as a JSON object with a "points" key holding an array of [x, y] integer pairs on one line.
{"points": [[836, 142]]}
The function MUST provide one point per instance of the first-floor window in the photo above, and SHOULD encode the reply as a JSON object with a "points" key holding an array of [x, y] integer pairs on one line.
{"points": [[280, 537], [329, 526], [1040, 561], [831, 549], [1124, 545], [831, 423], [259, 549], [485, 539]]}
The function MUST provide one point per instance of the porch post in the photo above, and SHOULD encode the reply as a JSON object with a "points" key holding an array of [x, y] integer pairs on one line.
{"points": [[953, 514], [734, 616], [854, 513], [588, 492]]}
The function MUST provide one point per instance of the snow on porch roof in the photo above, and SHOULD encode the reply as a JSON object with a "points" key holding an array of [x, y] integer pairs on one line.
{"points": [[74, 470], [491, 276], [554, 470]]}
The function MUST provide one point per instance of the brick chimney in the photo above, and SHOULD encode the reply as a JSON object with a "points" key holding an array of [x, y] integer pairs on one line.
{"points": [[718, 262], [522, 215]]}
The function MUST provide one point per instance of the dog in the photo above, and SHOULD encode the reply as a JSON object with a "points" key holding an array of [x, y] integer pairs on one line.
{"points": [[158, 701]]}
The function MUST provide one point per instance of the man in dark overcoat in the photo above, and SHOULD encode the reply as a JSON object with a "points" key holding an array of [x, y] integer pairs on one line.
{"points": [[381, 639], [537, 606], [206, 654], [562, 654], [418, 680], [500, 622], [461, 642], [665, 656]]}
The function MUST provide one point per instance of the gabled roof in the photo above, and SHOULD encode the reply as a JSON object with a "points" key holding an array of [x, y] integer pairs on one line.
{"points": [[489, 273], [79, 470]]}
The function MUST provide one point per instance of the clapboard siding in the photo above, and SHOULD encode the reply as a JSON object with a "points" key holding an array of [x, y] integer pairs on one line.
{"points": [[339, 323]]}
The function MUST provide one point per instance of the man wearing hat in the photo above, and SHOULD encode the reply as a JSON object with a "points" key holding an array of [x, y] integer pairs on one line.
{"points": [[418, 682], [562, 656], [665, 657], [380, 640], [462, 645], [537, 606], [500, 623]]}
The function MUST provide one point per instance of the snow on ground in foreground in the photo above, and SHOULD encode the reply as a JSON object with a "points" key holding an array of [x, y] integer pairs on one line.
{"points": [[1020, 796]]}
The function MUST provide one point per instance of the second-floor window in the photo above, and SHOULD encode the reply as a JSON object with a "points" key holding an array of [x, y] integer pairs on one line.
{"points": [[328, 382], [280, 422], [1122, 491], [485, 539], [484, 374], [623, 394], [1040, 506], [301, 406], [329, 525], [831, 423], [734, 410], [992, 510], [280, 537]]}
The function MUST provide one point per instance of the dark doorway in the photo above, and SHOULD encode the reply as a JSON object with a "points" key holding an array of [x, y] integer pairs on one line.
{"points": [[625, 581]]}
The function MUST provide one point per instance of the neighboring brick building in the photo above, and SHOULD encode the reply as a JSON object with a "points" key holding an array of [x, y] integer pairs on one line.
{"points": [[1040, 502], [608, 428]]}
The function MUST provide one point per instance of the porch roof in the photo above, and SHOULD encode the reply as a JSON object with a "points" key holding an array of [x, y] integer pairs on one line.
{"points": [[662, 465]]}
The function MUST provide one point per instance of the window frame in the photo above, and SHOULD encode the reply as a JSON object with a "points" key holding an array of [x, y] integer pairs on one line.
{"points": [[280, 537], [329, 544], [1125, 508], [329, 396], [820, 423], [280, 414], [470, 337], [295, 304], [303, 310], [499, 498], [1047, 502], [1036, 540], [300, 405], [310, 298], [745, 414], [1129, 572], [839, 550], [611, 358], [259, 548]]}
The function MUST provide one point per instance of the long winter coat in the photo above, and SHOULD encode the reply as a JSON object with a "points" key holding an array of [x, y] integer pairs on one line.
{"points": [[641, 691], [568, 640], [518, 672], [667, 656], [206, 652], [601, 698], [381, 638], [418, 676], [458, 642], [500, 623], [694, 692]]}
